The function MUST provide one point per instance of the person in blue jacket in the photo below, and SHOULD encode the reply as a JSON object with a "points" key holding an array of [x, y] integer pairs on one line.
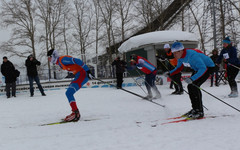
{"points": [[229, 53], [202, 65], [82, 75]]}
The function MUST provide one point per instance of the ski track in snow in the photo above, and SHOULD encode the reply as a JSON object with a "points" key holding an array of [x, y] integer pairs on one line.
{"points": [[126, 122]]}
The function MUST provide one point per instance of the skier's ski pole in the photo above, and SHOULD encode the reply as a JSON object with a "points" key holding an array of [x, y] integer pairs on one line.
{"points": [[171, 77], [234, 66], [131, 92], [177, 83], [216, 98], [137, 83], [140, 76]]}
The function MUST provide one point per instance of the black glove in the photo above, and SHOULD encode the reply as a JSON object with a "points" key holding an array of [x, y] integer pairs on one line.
{"points": [[90, 76], [161, 58], [225, 61]]}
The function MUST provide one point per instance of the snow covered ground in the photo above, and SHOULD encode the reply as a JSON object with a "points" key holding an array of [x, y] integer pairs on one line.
{"points": [[116, 128]]}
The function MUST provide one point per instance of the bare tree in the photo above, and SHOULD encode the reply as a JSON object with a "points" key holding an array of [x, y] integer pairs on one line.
{"points": [[66, 25], [123, 8], [107, 11], [145, 12], [20, 16], [97, 25], [50, 15], [83, 25], [199, 30]]}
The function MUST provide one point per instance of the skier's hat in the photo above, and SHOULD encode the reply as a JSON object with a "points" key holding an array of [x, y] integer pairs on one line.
{"points": [[133, 57], [50, 52], [177, 46]]}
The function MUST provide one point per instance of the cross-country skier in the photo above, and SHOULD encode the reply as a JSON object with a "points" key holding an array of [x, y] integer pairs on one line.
{"points": [[172, 64], [150, 70], [202, 65], [82, 75]]}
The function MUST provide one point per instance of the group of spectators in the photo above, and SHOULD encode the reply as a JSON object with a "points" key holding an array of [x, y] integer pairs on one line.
{"points": [[10, 73]]}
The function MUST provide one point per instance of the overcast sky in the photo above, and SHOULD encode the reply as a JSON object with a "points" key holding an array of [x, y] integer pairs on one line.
{"points": [[4, 35]]}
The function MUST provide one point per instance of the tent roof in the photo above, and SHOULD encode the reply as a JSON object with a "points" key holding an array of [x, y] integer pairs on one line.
{"points": [[155, 38]]}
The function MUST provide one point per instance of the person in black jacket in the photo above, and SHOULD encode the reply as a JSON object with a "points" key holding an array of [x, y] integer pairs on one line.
{"points": [[8, 71], [31, 63], [229, 53], [171, 65], [120, 68], [214, 58]]}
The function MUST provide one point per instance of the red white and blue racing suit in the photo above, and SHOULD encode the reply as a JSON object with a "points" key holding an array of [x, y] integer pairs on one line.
{"points": [[79, 69], [150, 70]]}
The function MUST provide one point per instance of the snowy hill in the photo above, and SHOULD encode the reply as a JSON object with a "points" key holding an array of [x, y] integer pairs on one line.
{"points": [[124, 121]]}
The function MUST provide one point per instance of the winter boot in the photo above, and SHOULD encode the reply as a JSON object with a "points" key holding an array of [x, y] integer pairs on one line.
{"points": [[74, 116]]}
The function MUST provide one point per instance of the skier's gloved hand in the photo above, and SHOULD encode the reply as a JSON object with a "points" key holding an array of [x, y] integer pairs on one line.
{"points": [[166, 74], [161, 58], [188, 80], [90, 76], [139, 66], [225, 61]]}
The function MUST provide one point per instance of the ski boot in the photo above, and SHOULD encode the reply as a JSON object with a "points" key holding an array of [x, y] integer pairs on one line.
{"points": [[196, 115], [188, 113], [74, 116], [233, 95]]}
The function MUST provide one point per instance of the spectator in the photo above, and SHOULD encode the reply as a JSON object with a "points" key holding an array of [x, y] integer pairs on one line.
{"points": [[8, 71], [31, 63], [120, 68], [229, 53], [216, 69]]}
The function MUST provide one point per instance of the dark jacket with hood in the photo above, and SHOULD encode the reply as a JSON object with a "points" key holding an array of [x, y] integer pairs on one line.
{"points": [[120, 65], [32, 66], [8, 71], [230, 54]]}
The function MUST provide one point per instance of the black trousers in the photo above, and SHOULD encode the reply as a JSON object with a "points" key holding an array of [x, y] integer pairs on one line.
{"points": [[13, 86], [119, 80], [195, 93], [178, 84], [232, 72]]}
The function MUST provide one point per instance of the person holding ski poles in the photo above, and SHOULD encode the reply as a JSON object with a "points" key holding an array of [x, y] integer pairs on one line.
{"points": [[176, 79], [150, 70], [82, 75], [229, 53], [202, 65]]}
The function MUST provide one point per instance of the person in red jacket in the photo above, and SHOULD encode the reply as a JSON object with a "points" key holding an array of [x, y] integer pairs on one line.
{"points": [[82, 75], [150, 70]]}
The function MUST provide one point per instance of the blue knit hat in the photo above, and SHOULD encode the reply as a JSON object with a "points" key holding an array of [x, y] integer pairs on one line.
{"points": [[177, 46], [227, 40]]}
